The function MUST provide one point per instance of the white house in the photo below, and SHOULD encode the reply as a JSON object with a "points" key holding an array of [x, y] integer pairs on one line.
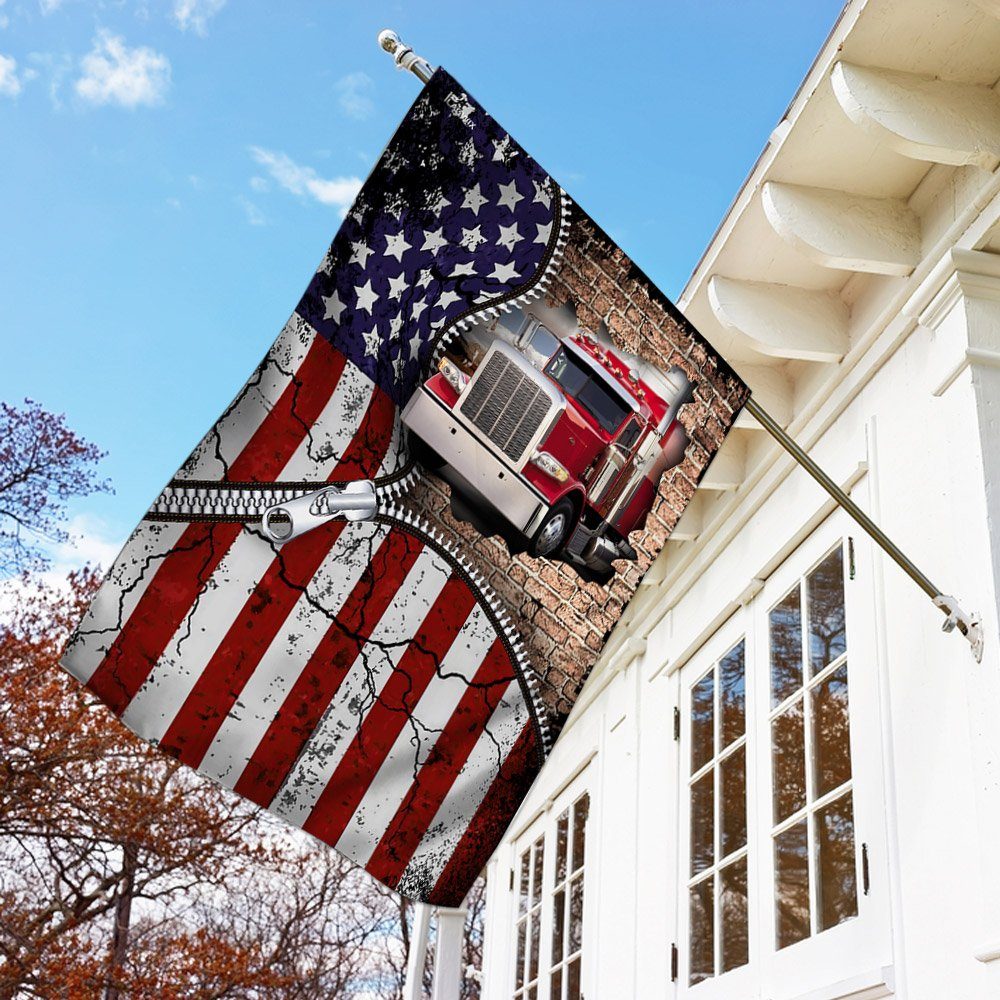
{"points": [[782, 780]]}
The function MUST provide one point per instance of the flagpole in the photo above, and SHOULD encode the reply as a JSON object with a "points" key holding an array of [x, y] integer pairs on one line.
{"points": [[968, 624]]}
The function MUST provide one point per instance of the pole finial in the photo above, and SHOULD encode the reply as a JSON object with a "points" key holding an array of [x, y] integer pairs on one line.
{"points": [[404, 56]]}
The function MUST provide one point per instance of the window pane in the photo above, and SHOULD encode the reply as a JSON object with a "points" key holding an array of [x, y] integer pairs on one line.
{"points": [[702, 944], [702, 722], [562, 834], [838, 894], [791, 885], [536, 879], [827, 634], [581, 809], [533, 954], [732, 695], [521, 933], [522, 905], [573, 981], [734, 923], [733, 804], [558, 922], [555, 993], [831, 733], [702, 823], [786, 647], [789, 757], [575, 916]]}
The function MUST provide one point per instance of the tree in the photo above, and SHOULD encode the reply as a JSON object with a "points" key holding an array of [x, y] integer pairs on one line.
{"points": [[43, 464]]}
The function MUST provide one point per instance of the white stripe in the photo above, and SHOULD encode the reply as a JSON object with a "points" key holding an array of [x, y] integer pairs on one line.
{"points": [[415, 742], [282, 663], [392, 462], [199, 635], [230, 435], [375, 664], [132, 572], [467, 793], [331, 434]]}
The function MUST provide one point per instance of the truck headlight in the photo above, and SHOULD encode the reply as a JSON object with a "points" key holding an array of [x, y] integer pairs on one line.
{"points": [[454, 375], [550, 466]]}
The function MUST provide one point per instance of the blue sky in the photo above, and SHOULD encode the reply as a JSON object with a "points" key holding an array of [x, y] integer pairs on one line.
{"points": [[171, 172]]}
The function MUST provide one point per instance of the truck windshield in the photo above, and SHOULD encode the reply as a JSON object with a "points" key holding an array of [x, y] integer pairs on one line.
{"points": [[588, 389]]}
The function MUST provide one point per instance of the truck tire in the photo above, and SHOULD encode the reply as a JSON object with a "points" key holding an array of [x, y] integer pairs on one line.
{"points": [[554, 531]]}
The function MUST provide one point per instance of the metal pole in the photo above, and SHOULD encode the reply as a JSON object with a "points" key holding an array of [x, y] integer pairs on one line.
{"points": [[968, 625]]}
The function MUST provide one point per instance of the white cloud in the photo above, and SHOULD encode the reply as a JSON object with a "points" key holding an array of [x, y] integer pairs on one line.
{"points": [[10, 82], [195, 14], [116, 74], [254, 215], [353, 95], [48, 6], [259, 184], [337, 191]]}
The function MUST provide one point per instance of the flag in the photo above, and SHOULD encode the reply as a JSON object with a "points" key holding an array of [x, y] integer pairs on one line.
{"points": [[532, 415]]}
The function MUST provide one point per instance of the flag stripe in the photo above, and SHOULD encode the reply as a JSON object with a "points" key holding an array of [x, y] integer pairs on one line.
{"points": [[196, 640], [436, 777], [415, 744], [389, 715], [260, 619], [484, 831], [119, 595], [281, 663], [330, 662]]}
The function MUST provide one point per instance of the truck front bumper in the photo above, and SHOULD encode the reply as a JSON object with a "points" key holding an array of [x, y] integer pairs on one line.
{"points": [[473, 461]]}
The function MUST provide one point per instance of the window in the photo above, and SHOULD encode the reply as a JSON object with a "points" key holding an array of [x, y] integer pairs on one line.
{"points": [[529, 921], [549, 919], [589, 389], [812, 804], [782, 872], [717, 889]]}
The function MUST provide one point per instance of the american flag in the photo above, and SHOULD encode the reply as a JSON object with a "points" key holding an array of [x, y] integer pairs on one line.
{"points": [[359, 681]]}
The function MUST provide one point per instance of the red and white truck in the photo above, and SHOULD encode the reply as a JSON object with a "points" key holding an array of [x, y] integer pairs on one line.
{"points": [[557, 442]]}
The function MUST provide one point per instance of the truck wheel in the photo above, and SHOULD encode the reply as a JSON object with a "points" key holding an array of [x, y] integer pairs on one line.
{"points": [[554, 530]]}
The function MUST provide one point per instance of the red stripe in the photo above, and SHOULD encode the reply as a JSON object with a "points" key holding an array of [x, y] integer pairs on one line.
{"points": [[505, 795], [386, 719], [222, 681], [185, 570], [225, 675], [447, 758], [329, 664]]}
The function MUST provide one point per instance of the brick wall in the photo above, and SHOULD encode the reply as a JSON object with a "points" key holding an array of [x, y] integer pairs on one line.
{"points": [[564, 621]]}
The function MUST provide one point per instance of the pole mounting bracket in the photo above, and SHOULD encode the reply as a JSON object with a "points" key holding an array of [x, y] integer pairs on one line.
{"points": [[968, 624]]}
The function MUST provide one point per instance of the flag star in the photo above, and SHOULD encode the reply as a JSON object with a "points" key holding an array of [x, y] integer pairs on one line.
{"points": [[467, 268], [434, 240], [417, 308], [544, 234], [502, 151], [509, 195], [398, 365], [542, 194], [425, 278], [468, 154], [415, 344], [440, 205], [397, 286], [334, 307], [504, 272], [396, 246], [372, 341], [361, 253], [472, 239], [366, 295], [474, 199], [509, 236], [395, 326], [447, 298]]}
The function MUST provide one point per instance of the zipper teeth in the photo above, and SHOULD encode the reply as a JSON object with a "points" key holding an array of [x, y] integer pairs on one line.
{"points": [[495, 311], [501, 616]]}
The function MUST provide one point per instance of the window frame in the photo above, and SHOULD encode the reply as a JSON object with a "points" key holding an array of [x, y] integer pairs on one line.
{"points": [[861, 943]]}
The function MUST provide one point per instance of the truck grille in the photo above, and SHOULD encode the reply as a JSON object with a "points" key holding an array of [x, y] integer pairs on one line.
{"points": [[507, 405]]}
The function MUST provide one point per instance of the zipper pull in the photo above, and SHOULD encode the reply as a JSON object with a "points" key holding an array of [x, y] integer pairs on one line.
{"points": [[285, 521]]}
